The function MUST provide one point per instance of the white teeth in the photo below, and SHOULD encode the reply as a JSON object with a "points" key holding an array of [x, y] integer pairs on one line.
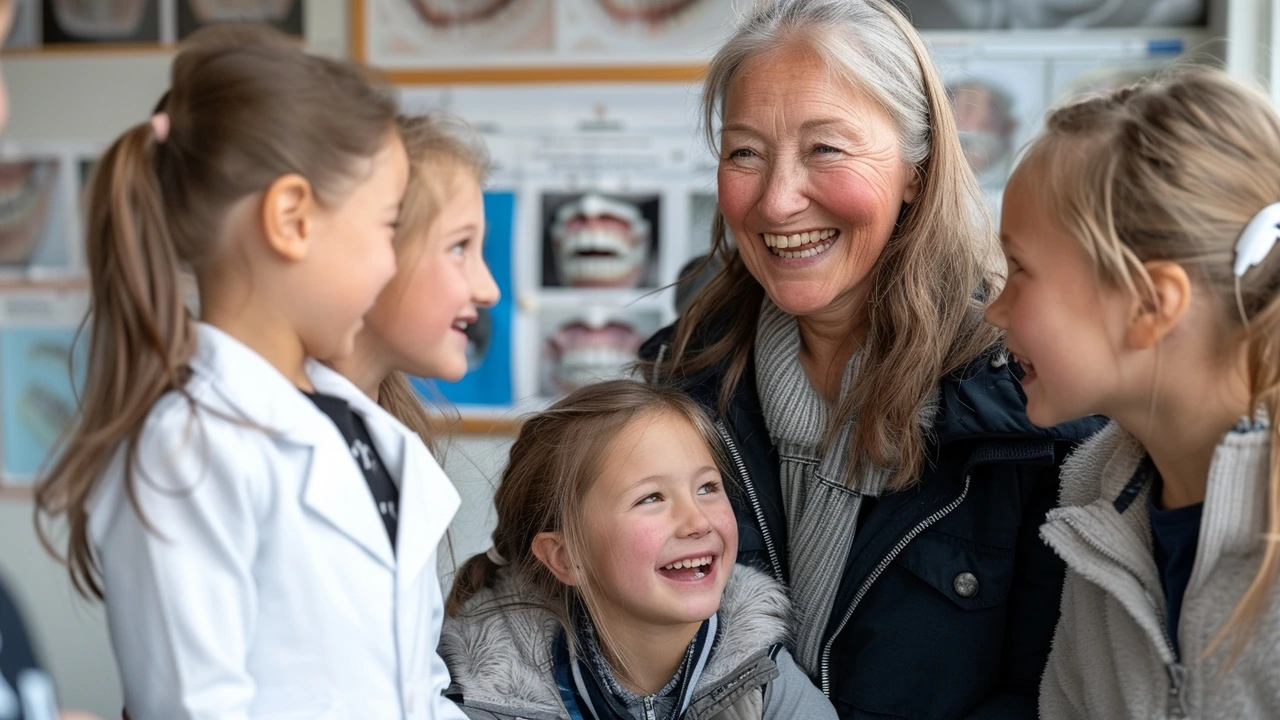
{"points": [[810, 252], [691, 563], [797, 239], [462, 325]]}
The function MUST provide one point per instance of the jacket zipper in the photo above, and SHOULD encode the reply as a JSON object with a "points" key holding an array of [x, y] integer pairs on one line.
{"points": [[648, 709], [1176, 705], [879, 569], [753, 498]]}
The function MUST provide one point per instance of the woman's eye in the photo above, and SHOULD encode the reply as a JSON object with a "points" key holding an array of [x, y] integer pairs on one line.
{"points": [[650, 499], [825, 150], [742, 154], [708, 488]]}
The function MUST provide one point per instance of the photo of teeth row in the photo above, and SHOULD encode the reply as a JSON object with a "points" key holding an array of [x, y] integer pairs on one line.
{"points": [[60, 22]]}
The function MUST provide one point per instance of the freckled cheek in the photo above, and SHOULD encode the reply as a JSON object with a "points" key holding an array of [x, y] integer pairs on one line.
{"points": [[738, 193], [855, 200], [635, 545]]}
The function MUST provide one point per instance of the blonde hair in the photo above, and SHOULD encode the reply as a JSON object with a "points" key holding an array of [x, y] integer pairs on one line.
{"points": [[443, 150], [555, 461], [246, 106], [925, 309], [1173, 169]]}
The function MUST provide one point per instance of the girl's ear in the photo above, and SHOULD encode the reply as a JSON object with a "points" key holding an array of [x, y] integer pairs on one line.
{"points": [[287, 208], [1154, 319], [551, 551]]}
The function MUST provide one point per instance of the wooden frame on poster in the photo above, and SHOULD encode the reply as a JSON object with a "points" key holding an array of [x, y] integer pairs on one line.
{"points": [[542, 73]]}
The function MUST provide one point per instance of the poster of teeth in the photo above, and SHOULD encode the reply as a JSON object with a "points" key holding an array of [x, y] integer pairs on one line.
{"points": [[85, 23], [589, 343], [39, 223], [512, 36], [41, 365]]}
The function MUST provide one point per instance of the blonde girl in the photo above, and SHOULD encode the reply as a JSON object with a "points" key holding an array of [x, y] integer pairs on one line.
{"points": [[1143, 286], [610, 590], [419, 324], [219, 513]]}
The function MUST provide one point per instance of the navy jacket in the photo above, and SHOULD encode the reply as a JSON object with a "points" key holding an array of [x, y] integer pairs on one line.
{"points": [[948, 600]]}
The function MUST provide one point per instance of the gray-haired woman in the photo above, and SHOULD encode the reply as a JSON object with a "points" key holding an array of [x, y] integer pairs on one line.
{"points": [[887, 471]]}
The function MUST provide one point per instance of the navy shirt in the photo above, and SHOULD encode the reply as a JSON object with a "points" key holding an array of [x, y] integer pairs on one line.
{"points": [[1175, 535]]}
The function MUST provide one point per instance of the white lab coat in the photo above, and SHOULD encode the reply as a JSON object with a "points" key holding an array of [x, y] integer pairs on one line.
{"points": [[266, 586]]}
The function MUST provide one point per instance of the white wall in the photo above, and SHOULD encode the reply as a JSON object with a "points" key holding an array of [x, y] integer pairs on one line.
{"points": [[91, 98]]}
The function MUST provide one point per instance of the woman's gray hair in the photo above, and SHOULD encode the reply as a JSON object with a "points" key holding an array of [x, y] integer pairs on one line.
{"points": [[857, 39]]}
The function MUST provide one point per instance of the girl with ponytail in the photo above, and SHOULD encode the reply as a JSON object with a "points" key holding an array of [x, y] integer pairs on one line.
{"points": [[1143, 285], [220, 489]]}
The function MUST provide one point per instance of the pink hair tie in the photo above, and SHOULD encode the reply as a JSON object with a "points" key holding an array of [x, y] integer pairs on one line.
{"points": [[160, 126]]}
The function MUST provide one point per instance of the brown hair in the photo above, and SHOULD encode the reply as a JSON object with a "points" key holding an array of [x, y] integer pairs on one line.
{"points": [[443, 150], [246, 106], [924, 317], [1173, 169], [555, 460]]}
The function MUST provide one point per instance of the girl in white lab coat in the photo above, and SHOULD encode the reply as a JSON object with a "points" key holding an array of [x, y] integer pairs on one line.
{"points": [[227, 522]]}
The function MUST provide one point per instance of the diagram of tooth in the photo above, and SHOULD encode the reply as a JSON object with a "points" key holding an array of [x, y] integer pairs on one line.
{"points": [[101, 20], [591, 346], [26, 189], [453, 13], [602, 242]]}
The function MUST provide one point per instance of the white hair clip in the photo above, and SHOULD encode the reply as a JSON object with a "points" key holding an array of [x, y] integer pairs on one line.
{"points": [[1257, 239]]}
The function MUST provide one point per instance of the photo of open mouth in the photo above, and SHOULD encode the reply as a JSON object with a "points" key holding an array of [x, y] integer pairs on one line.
{"points": [[584, 351], [651, 11], [600, 242], [25, 192], [455, 13], [100, 19]]}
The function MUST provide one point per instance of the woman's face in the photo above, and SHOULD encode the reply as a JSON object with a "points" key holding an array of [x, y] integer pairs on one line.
{"points": [[811, 182]]}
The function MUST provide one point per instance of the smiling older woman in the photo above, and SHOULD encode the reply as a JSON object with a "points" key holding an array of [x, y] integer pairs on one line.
{"points": [[886, 469]]}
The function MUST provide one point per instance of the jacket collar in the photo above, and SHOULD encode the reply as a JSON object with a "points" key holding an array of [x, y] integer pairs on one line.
{"points": [[499, 646]]}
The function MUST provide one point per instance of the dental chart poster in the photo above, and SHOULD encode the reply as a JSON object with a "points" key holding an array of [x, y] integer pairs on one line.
{"points": [[41, 365], [406, 35]]}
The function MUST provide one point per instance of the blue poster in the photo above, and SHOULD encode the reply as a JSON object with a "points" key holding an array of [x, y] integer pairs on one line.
{"points": [[488, 380], [37, 397]]}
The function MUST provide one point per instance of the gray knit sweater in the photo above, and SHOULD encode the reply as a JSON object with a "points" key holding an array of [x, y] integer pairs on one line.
{"points": [[1111, 657]]}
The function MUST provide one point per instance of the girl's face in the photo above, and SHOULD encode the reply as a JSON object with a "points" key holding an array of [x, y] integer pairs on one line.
{"points": [[422, 317], [1065, 326], [660, 533], [354, 256]]}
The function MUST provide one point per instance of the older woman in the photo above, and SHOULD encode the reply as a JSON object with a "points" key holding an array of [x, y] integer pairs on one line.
{"points": [[886, 469]]}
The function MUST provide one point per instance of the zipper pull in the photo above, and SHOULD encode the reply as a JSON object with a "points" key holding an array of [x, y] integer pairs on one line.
{"points": [[1177, 706]]}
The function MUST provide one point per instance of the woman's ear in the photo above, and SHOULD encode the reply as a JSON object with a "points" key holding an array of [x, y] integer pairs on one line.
{"points": [[1156, 318], [551, 551], [287, 222]]}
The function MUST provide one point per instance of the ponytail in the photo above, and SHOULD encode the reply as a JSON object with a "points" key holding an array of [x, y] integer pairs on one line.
{"points": [[141, 338]]}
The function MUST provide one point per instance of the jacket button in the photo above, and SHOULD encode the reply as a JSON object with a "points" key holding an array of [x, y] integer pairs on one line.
{"points": [[966, 585]]}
